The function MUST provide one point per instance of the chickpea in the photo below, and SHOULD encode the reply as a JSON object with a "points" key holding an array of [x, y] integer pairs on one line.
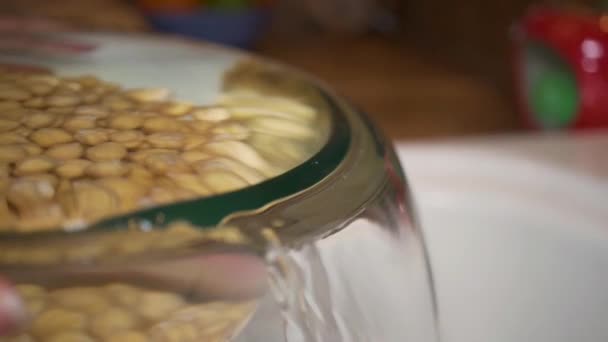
{"points": [[111, 321], [162, 124], [167, 140], [128, 336], [7, 125], [94, 136], [128, 138], [62, 100], [33, 165], [65, 151], [11, 153], [106, 151], [39, 120], [149, 94], [126, 121], [156, 305], [79, 122], [73, 168], [70, 337], [56, 321], [47, 137], [13, 94]]}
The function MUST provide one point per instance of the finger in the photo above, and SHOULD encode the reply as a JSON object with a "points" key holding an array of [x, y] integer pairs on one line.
{"points": [[203, 276], [217, 276], [234, 275], [12, 313]]}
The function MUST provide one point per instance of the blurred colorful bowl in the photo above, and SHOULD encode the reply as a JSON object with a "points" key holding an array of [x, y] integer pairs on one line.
{"points": [[238, 28], [237, 23]]}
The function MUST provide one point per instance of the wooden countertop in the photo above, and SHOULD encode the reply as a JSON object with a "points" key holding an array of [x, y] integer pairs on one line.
{"points": [[408, 96]]}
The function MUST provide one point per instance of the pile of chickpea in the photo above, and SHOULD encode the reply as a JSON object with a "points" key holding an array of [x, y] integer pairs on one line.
{"points": [[74, 150]]}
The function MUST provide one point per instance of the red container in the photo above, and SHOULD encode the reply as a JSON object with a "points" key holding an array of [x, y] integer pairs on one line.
{"points": [[561, 68]]}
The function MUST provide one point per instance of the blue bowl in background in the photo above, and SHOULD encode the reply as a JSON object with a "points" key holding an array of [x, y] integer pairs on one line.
{"points": [[239, 28]]}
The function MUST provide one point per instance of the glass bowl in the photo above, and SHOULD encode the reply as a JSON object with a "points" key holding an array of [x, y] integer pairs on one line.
{"points": [[324, 248]]}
